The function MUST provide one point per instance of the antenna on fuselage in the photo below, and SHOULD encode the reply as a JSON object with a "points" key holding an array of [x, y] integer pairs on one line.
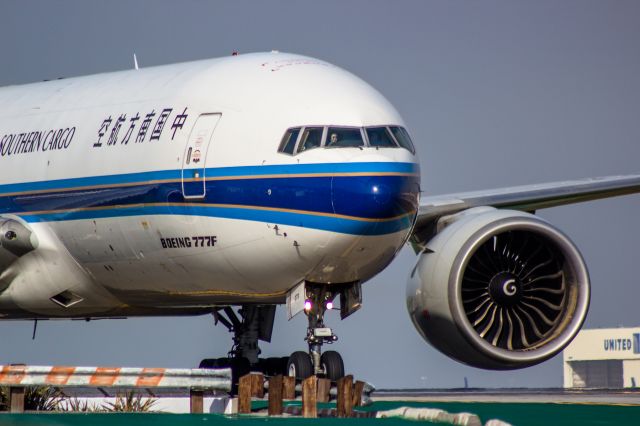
{"points": [[135, 61]]}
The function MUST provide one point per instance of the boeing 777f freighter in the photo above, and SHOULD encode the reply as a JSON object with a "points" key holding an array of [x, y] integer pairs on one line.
{"points": [[230, 186]]}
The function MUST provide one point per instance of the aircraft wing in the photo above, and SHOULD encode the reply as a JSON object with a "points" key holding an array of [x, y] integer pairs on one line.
{"points": [[525, 198]]}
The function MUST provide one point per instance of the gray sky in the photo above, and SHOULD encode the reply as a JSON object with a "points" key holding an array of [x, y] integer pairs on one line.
{"points": [[495, 93]]}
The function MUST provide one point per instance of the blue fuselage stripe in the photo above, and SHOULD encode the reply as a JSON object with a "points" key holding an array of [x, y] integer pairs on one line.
{"points": [[257, 171], [355, 198]]}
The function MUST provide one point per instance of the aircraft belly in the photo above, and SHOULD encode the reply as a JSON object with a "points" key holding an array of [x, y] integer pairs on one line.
{"points": [[200, 258], [189, 261]]}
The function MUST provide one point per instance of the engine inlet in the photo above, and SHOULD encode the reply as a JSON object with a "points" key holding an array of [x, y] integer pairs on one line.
{"points": [[513, 290]]}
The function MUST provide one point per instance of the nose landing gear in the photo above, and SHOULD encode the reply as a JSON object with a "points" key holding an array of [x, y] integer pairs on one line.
{"points": [[328, 364]]}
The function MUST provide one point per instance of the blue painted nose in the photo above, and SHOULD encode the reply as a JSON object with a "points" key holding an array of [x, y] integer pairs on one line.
{"points": [[382, 203]]}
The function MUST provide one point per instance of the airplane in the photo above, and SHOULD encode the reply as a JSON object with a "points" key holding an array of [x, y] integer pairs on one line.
{"points": [[229, 186]]}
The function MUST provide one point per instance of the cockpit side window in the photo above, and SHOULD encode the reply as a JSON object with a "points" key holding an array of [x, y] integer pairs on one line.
{"points": [[403, 138], [311, 138], [344, 137], [288, 143], [380, 137]]}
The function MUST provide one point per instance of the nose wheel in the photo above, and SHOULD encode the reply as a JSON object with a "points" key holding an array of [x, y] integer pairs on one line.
{"points": [[299, 365]]}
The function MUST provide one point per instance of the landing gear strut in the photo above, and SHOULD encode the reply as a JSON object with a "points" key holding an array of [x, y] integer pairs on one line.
{"points": [[328, 364], [320, 299]]}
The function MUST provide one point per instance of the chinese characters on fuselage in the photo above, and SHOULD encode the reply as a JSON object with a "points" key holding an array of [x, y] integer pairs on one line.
{"points": [[139, 128]]}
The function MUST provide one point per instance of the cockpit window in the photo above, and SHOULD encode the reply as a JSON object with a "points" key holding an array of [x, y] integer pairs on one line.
{"points": [[297, 140], [380, 137], [288, 144], [344, 137], [403, 138], [311, 138]]}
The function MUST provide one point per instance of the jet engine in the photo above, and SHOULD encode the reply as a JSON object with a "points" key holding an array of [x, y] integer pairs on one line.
{"points": [[498, 289]]}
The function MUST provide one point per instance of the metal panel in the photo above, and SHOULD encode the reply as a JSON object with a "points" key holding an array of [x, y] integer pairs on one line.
{"points": [[597, 374]]}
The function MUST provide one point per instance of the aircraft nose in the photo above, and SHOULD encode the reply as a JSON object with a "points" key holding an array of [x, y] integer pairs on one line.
{"points": [[379, 203]]}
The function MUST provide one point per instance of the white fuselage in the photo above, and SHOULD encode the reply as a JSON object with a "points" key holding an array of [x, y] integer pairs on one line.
{"points": [[162, 191]]}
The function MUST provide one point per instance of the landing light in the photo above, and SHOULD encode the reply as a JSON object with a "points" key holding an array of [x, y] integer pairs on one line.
{"points": [[307, 305], [329, 305], [375, 189]]}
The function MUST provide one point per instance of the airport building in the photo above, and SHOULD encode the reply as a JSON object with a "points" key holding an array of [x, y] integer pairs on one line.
{"points": [[603, 358]]}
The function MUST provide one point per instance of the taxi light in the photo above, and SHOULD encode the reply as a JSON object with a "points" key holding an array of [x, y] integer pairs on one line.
{"points": [[307, 305], [329, 305]]}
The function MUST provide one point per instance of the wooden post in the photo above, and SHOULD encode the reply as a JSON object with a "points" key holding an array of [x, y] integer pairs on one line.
{"points": [[358, 389], [345, 400], [275, 395], [309, 395], [324, 386], [288, 387], [16, 399], [196, 401], [257, 385], [244, 394]]}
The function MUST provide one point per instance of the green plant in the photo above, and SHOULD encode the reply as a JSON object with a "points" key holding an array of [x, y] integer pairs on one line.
{"points": [[41, 398], [36, 398], [131, 403], [76, 405]]}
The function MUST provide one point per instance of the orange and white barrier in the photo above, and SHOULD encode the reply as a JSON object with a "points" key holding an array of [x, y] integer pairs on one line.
{"points": [[23, 375]]}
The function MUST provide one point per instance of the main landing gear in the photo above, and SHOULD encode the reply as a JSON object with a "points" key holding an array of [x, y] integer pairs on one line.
{"points": [[252, 323], [255, 322]]}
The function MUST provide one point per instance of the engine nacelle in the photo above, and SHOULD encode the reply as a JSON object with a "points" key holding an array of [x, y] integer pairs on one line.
{"points": [[499, 289], [15, 241]]}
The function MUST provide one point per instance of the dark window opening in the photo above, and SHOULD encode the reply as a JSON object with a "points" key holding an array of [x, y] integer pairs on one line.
{"points": [[311, 138], [403, 138], [288, 144], [344, 137], [380, 137]]}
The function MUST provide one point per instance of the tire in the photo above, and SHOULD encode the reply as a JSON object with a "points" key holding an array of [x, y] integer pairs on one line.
{"points": [[239, 367], [299, 365], [262, 366], [270, 366], [332, 365], [208, 363], [276, 366], [283, 366]]}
